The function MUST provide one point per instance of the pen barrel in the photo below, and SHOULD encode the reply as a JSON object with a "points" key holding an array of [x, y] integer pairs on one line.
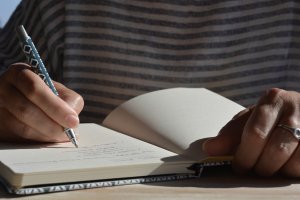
{"points": [[39, 68], [34, 58]]}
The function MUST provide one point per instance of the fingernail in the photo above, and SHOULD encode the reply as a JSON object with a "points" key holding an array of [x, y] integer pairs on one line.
{"points": [[72, 121]]}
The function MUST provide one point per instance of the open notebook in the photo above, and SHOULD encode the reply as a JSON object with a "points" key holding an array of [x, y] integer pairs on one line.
{"points": [[153, 137]]}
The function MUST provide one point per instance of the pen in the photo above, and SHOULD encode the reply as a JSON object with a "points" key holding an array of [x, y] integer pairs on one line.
{"points": [[39, 68]]}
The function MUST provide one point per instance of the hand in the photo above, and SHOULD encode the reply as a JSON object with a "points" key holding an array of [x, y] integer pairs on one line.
{"points": [[30, 111], [256, 141]]}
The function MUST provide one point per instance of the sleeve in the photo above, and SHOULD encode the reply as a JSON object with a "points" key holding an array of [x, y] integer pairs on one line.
{"points": [[8, 43], [43, 20]]}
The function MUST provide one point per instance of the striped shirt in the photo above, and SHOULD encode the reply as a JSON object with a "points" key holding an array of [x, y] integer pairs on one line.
{"points": [[112, 50]]}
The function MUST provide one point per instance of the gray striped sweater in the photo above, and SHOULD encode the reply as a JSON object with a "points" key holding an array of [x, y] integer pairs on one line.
{"points": [[112, 50]]}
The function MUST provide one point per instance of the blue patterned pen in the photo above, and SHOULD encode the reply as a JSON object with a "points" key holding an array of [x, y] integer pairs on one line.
{"points": [[39, 68]]}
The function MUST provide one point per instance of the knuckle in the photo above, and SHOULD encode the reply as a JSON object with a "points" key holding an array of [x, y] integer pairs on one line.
{"points": [[74, 100], [292, 121], [32, 87], [79, 102], [26, 132], [282, 149], [24, 111], [258, 133], [255, 132], [23, 78], [273, 96], [274, 93], [264, 110]]}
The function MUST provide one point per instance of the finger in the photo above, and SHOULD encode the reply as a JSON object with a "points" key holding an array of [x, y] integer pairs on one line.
{"points": [[243, 112], [33, 87], [292, 166], [257, 131], [281, 144], [276, 153], [29, 114], [73, 99], [13, 130], [229, 136]]}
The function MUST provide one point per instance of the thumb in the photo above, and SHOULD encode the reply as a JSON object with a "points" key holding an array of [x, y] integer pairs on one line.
{"points": [[221, 145], [229, 136]]}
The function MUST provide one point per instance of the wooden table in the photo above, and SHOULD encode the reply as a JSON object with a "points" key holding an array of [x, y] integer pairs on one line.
{"points": [[213, 185]]}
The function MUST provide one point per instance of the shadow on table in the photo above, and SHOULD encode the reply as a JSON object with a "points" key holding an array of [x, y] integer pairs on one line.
{"points": [[224, 177], [4, 194]]}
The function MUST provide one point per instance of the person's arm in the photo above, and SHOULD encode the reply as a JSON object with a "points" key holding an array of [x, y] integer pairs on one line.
{"points": [[44, 22], [256, 140], [28, 108]]}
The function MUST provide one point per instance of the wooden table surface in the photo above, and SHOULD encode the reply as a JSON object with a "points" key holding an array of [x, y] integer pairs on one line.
{"points": [[213, 185]]}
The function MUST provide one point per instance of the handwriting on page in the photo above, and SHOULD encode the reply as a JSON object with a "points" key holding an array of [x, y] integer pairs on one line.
{"points": [[113, 152], [105, 154]]}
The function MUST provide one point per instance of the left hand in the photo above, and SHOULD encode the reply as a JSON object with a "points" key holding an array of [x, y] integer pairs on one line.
{"points": [[256, 141]]}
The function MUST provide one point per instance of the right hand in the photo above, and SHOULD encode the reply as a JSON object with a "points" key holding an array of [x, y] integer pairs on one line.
{"points": [[30, 111]]}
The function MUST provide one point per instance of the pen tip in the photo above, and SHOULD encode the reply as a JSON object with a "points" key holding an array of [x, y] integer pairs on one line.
{"points": [[75, 144], [71, 135], [74, 141]]}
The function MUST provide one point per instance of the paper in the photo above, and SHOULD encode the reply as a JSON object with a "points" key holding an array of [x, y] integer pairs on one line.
{"points": [[98, 147]]}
